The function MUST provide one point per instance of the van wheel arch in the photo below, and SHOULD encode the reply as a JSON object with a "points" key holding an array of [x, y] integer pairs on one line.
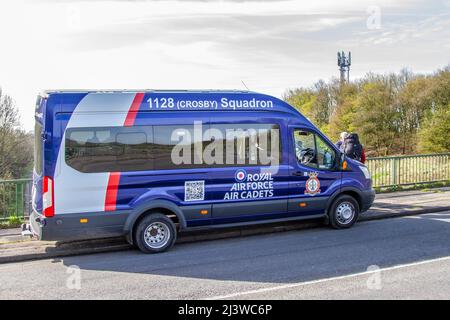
{"points": [[343, 211], [134, 220], [345, 191], [354, 193]]}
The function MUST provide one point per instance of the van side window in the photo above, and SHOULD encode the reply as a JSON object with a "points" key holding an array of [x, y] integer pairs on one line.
{"points": [[312, 151], [109, 149], [326, 156], [305, 148], [247, 144], [166, 147], [177, 147]]}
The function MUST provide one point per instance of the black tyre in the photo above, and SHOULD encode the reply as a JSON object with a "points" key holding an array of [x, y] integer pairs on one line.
{"points": [[343, 212], [155, 233]]}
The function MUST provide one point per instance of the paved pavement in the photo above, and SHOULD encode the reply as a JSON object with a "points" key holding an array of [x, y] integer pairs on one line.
{"points": [[9, 232], [412, 252], [416, 200]]}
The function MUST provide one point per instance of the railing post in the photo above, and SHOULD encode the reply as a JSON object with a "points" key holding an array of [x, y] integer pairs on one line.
{"points": [[394, 171], [20, 208], [16, 205]]}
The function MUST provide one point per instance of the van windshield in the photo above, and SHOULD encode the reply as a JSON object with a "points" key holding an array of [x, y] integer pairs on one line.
{"points": [[38, 148]]}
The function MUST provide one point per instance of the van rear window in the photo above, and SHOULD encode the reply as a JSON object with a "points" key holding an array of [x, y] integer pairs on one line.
{"points": [[38, 148], [143, 148], [109, 149]]}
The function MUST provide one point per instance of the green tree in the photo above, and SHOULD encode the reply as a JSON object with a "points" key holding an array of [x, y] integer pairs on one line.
{"points": [[376, 117], [413, 101], [441, 87], [321, 107], [392, 113], [314, 103], [303, 100], [345, 112], [434, 127], [16, 146], [434, 136]]}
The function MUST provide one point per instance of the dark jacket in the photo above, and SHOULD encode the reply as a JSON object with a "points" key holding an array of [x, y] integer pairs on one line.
{"points": [[352, 147]]}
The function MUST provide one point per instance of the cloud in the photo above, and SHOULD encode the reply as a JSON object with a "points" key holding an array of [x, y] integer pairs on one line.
{"points": [[426, 29], [219, 28], [114, 24]]}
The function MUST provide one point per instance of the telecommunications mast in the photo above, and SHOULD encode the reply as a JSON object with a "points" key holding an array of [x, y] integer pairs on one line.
{"points": [[344, 63]]}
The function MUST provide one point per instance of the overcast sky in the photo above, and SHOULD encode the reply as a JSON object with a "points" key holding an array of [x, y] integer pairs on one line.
{"points": [[271, 45]]}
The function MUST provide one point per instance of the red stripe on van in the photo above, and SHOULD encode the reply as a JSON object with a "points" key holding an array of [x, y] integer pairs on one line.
{"points": [[131, 116], [111, 191]]}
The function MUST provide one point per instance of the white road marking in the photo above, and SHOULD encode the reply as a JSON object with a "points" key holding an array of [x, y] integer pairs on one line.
{"points": [[428, 217], [300, 284]]}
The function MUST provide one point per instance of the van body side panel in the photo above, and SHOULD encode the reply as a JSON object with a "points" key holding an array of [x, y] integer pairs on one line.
{"points": [[202, 196], [141, 187], [76, 191], [62, 102], [232, 203], [137, 190]]}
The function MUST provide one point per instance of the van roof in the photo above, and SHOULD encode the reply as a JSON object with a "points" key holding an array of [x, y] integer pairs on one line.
{"points": [[53, 91], [70, 98]]}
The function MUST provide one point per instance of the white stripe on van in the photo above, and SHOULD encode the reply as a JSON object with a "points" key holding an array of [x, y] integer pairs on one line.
{"points": [[77, 192]]}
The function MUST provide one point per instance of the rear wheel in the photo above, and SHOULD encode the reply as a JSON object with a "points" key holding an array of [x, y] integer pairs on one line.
{"points": [[155, 233], [343, 212]]}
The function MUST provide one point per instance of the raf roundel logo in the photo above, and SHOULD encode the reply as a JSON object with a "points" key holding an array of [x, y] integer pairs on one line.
{"points": [[240, 175], [312, 185]]}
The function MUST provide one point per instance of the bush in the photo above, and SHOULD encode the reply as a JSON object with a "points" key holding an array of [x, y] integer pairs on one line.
{"points": [[11, 222]]}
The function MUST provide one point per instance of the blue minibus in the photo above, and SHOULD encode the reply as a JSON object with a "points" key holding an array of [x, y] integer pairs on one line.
{"points": [[148, 164]]}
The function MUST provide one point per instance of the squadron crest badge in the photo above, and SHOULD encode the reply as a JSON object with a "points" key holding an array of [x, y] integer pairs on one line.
{"points": [[312, 185]]}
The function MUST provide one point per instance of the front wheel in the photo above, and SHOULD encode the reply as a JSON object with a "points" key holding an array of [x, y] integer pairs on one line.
{"points": [[343, 212], [155, 233]]}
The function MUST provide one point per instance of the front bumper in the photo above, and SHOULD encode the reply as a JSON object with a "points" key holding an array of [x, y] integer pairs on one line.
{"points": [[367, 199]]}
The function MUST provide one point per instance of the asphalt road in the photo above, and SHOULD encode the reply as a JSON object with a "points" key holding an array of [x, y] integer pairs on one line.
{"points": [[402, 258]]}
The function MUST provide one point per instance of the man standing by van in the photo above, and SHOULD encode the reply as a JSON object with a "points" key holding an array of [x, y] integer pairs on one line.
{"points": [[342, 137], [353, 148]]}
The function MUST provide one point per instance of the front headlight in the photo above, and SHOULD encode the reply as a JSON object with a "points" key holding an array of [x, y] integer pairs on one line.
{"points": [[365, 171]]}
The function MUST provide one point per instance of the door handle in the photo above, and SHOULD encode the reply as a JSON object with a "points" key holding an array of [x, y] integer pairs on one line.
{"points": [[298, 173]]}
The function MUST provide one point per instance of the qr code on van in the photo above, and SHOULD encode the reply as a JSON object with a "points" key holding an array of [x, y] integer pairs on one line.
{"points": [[194, 190]]}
